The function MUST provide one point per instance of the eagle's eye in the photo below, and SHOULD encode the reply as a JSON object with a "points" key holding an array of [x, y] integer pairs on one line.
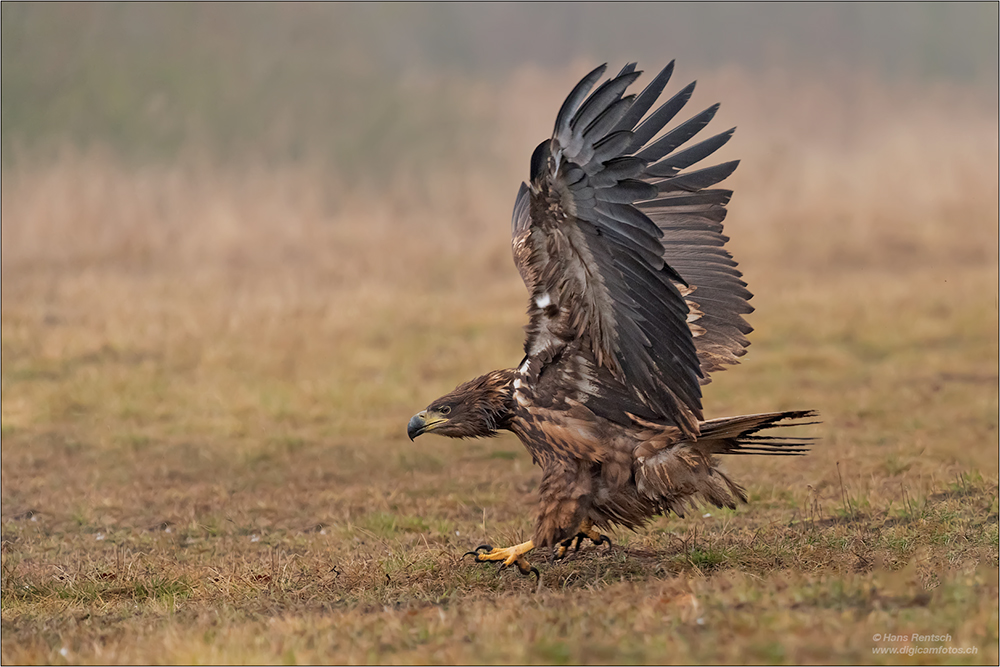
{"points": [[445, 409]]}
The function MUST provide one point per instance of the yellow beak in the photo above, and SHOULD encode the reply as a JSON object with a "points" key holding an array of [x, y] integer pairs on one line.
{"points": [[425, 421]]}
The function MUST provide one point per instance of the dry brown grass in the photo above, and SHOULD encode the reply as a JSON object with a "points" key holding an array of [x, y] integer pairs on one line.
{"points": [[207, 372]]}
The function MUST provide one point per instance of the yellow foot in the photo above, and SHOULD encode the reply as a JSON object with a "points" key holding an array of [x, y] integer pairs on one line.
{"points": [[587, 531], [510, 556]]}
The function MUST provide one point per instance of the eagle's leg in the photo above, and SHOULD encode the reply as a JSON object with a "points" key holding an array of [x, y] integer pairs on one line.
{"points": [[510, 556], [587, 531]]}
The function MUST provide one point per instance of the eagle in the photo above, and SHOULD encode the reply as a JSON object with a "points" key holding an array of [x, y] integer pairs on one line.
{"points": [[634, 302]]}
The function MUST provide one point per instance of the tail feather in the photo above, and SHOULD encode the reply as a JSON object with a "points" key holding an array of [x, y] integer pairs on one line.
{"points": [[738, 435]]}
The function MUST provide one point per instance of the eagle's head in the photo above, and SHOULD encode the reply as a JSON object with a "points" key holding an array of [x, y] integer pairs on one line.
{"points": [[475, 409]]}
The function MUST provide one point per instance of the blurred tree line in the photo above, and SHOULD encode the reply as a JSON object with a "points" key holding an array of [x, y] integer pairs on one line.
{"points": [[368, 86]]}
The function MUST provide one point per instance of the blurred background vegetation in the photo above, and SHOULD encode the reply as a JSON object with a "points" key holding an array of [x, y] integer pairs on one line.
{"points": [[243, 243], [376, 87]]}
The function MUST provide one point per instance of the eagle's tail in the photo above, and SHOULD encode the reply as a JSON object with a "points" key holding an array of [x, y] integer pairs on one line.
{"points": [[738, 435], [674, 476]]}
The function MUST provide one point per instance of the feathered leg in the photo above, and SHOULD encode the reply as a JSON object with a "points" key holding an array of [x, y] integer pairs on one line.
{"points": [[565, 485], [564, 498]]}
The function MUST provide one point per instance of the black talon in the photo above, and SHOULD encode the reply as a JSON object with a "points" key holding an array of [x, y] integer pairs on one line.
{"points": [[603, 539], [475, 552], [527, 569]]}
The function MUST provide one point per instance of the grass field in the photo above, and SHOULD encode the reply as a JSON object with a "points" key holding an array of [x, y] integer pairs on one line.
{"points": [[207, 373]]}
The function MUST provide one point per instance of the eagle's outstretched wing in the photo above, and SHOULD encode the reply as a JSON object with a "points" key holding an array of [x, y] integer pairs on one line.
{"points": [[587, 241], [691, 221]]}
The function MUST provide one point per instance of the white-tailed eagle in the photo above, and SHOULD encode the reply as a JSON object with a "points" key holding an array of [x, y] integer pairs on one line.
{"points": [[634, 302]]}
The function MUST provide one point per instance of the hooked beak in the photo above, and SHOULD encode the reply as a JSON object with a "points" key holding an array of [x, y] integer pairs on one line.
{"points": [[425, 421]]}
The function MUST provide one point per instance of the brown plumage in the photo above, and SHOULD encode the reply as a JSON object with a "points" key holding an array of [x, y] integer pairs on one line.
{"points": [[634, 301]]}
